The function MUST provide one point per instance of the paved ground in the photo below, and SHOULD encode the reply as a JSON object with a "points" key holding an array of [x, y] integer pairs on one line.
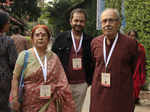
{"points": [[143, 107]]}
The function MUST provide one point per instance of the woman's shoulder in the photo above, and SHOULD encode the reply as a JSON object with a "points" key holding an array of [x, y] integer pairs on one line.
{"points": [[22, 53], [53, 55]]}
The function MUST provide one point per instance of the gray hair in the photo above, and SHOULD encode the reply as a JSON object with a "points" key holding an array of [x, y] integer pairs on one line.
{"points": [[114, 10]]}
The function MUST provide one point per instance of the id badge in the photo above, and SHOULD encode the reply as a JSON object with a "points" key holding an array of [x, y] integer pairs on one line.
{"points": [[45, 91], [77, 63], [105, 79]]}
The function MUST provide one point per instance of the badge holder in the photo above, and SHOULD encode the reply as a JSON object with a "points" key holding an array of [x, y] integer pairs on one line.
{"points": [[77, 63], [45, 91], [106, 79]]}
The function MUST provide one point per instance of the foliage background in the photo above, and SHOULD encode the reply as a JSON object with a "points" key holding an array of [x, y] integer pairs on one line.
{"points": [[138, 17], [22, 8], [19, 10]]}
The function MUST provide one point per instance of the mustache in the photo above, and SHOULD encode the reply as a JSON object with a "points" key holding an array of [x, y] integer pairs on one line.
{"points": [[108, 28], [78, 26]]}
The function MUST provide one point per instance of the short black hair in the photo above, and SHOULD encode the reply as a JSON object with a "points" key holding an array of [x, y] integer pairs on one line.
{"points": [[4, 18], [78, 10], [136, 34]]}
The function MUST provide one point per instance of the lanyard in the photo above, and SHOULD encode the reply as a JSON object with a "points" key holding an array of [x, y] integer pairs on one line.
{"points": [[74, 44], [44, 67], [111, 51]]}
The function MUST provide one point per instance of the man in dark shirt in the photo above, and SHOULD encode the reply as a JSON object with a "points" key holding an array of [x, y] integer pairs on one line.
{"points": [[73, 49]]}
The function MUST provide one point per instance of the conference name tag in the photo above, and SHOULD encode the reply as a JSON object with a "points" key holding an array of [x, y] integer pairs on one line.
{"points": [[105, 79], [77, 63], [45, 91]]}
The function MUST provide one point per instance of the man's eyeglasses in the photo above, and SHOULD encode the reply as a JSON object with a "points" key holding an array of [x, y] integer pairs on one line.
{"points": [[104, 21]]}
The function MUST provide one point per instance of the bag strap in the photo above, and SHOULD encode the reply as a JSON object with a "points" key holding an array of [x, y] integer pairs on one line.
{"points": [[58, 105], [45, 106], [24, 67]]}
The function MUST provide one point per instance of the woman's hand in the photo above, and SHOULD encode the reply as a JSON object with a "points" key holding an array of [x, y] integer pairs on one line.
{"points": [[15, 105]]}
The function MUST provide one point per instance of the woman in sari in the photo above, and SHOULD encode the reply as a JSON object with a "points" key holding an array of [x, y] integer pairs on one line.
{"points": [[44, 77]]}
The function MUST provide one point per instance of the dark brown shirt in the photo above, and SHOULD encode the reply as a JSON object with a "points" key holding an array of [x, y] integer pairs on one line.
{"points": [[75, 76], [118, 97]]}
